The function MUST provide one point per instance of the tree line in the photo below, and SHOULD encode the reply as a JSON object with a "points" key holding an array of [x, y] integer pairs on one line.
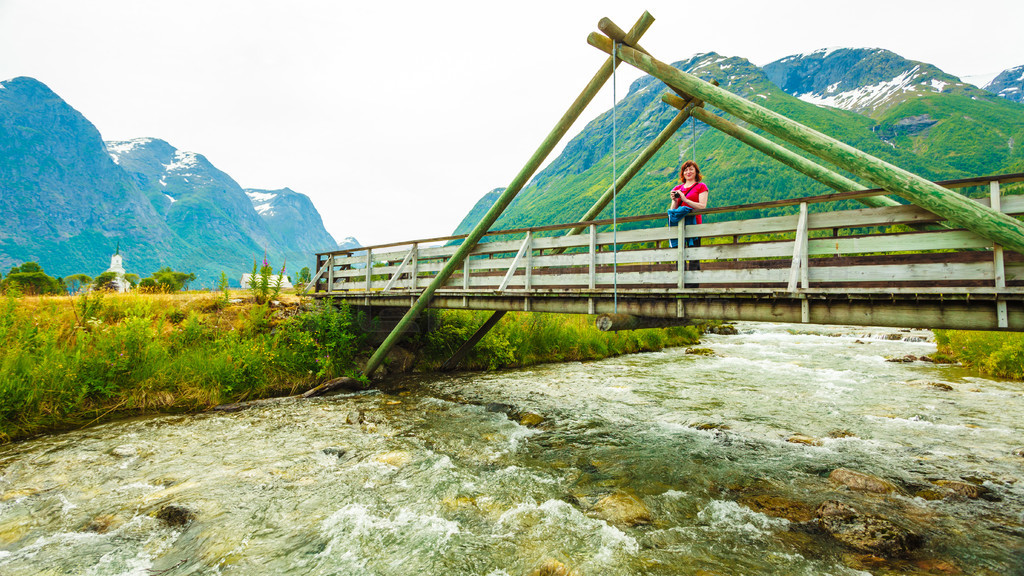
{"points": [[30, 279]]}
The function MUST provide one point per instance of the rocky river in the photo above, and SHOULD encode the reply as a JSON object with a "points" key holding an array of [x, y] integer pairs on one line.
{"points": [[779, 450]]}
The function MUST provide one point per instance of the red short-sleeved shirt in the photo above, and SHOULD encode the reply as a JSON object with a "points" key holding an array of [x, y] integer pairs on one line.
{"points": [[692, 194]]}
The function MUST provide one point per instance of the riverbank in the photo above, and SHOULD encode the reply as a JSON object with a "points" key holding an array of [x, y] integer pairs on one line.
{"points": [[67, 363]]}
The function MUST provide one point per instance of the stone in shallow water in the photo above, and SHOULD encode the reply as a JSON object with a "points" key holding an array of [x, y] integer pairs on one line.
{"points": [[779, 507], [531, 420], [861, 482], [622, 509], [865, 532], [964, 489], [552, 567], [803, 439], [175, 515]]}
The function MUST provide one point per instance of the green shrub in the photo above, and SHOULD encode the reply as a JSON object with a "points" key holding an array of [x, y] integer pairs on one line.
{"points": [[996, 353]]}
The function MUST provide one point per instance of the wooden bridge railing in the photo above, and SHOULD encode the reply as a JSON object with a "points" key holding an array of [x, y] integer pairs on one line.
{"points": [[804, 252]]}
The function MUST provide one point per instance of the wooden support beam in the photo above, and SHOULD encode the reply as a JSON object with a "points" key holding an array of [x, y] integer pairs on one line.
{"points": [[520, 180], [453, 362], [616, 322], [401, 267], [963, 211], [525, 247]]}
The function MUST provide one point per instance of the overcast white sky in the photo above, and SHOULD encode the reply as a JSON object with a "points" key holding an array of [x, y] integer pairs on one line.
{"points": [[395, 117]]}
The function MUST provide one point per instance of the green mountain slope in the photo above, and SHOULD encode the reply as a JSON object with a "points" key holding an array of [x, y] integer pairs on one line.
{"points": [[938, 135]]}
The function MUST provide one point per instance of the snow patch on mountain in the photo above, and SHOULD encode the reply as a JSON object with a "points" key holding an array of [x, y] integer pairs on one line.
{"points": [[262, 202], [183, 161], [868, 96], [116, 149]]}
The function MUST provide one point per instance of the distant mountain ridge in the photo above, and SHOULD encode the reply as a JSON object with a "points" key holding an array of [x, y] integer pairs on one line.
{"points": [[68, 200], [1008, 84]]}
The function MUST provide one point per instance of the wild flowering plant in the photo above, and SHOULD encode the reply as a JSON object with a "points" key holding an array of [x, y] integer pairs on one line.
{"points": [[260, 285]]}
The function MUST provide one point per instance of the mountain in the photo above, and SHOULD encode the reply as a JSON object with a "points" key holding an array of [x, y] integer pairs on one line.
{"points": [[292, 220], [348, 242], [64, 202], [69, 200], [1009, 84], [477, 212], [908, 113], [864, 80]]}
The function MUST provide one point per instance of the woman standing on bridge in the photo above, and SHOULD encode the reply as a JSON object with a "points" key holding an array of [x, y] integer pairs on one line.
{"points": [[691, 195]]}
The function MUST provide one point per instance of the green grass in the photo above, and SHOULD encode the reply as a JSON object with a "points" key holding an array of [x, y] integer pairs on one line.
{"points": [[995, 353], [524, 339], [67, 363]]}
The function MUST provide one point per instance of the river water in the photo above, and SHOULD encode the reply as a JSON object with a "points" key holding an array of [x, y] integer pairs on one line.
{"points": [[435, 477]]}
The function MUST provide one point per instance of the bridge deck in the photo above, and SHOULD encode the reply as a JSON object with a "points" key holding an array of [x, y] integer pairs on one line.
{"points": [[891, 266]]}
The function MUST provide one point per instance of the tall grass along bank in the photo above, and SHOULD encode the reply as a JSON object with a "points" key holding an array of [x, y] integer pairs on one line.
{"points": [[69, 362]]}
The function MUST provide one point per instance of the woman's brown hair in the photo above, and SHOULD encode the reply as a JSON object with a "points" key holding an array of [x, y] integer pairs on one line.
{"points": [[695, 167]]}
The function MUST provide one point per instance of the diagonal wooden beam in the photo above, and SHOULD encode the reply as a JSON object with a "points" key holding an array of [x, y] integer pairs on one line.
{"points": [[980, 219], [520, 180]]}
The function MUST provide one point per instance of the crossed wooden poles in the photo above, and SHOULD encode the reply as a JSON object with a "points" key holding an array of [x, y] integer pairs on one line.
{"points": [[691, 93]]}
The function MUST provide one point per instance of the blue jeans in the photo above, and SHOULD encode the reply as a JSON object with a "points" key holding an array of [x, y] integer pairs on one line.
{"points": [[677, 214]]}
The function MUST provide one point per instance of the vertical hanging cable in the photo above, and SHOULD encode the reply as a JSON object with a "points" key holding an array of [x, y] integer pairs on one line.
{"points": [[693, 139], [615, 226]]}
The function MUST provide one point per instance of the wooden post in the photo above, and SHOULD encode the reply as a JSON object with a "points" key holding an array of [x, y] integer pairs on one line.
{"points": [[681, 257], [798, 268], [593, 257], [415, 266], [999, 270], [520, 180], [981, 220]]}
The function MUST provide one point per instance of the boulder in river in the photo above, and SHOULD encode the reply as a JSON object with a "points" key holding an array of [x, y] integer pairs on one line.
{"points": [[861, 482], [865, 532], [530, 419], [700, 351], [963, 489], [175, 515], [622, 509]]}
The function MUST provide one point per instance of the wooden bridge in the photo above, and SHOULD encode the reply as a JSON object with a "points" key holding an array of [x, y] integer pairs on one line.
{"points": [[882, 266], [937, 262]]}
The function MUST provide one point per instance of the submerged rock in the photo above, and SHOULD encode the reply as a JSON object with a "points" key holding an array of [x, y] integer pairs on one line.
{"points": [[175, 515], [552, 567], [964, 489], [864, 532], [907, 358], [104, 523], [861, 482], [622, 509], [803, 439], [700, 351], [531, 420], [779, 507]]}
